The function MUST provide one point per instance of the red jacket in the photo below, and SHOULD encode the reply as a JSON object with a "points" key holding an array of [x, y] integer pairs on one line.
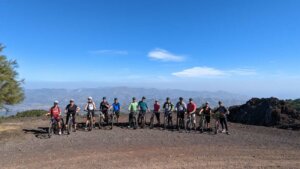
{"points": [[55, 112], [191, 107], [156, 107]]}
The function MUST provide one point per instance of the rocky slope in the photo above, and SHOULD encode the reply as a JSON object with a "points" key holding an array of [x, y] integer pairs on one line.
{"points": [[266, 112]]}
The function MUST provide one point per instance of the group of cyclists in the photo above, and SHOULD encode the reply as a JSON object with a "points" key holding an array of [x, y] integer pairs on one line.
{"points": [[137, 114]]}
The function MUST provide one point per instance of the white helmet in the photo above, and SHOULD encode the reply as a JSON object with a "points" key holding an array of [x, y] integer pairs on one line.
{"points": [[90, 98], [56, 102]]}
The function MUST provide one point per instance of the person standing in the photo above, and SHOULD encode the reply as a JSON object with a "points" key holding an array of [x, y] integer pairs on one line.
{"points": [[71, 109], [116, 108], [104, 107], [133, 107], [143, 108], [180, 109], [55, 114], [223, 117], [90, 107], [191, 110], [156, 111], [168, 108], [206, 110]]}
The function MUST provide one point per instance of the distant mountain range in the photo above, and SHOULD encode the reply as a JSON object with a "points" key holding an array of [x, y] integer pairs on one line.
{"points": [[43, 98]]}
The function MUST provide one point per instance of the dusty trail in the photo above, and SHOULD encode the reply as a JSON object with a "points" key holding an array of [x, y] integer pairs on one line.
{"points": [[246, 147]]}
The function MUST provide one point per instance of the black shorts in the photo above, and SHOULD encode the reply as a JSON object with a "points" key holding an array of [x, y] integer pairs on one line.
{"points": [[117, 113], [180, 114], [68, 117], [168, 113], [88, 114], [207, 118], [142, 112]]}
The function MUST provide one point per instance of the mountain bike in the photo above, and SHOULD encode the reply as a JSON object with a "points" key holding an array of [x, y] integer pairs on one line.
{"points": [[113, 119], [180, 121], [142, 119], [133, 120], [53, 127], [70, 124], [101, 120], [202, 122], [190, 122], [168, 120], [152, 120], [90, 121], [217, 122]]}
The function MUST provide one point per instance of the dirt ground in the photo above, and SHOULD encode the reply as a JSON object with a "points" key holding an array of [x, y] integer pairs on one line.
{"points": [[25, 144]]}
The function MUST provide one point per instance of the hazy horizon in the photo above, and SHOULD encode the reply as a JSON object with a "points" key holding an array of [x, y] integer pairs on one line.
{"points": [[78, 85]]}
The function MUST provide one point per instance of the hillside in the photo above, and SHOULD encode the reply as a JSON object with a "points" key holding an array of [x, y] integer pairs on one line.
{"points": [[267, 112]]}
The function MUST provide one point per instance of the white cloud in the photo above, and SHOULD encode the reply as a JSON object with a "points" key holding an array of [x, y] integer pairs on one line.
{"points": [[199, 72], [213, 72], [108, 52], [164, 55]]}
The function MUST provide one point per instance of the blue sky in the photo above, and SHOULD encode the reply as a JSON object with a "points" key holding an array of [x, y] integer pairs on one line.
{"points": [[250, 47]]}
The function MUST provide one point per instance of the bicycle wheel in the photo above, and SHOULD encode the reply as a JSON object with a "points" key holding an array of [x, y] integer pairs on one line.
{"points": [[202, 123], [216, 126], [142, 121], [90, 128], [134, 121], [170, 122], [68, 129], [101, 122], [165, 122], [112, 121], [50, 130], [152, 122]]}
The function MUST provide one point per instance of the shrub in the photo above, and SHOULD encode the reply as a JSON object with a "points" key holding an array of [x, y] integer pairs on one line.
{"points": [[31, 113]]}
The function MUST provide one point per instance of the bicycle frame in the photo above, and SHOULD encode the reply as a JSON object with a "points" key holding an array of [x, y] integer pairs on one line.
{"points": [[190, 121], [168, 119], [70, 123], [202, 122], [180, 121]]}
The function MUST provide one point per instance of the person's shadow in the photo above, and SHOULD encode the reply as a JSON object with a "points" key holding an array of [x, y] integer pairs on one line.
{"points": [[40, 132]]}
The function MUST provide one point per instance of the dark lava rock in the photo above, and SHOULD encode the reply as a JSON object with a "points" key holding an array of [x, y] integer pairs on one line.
{"points": [[266, 112]]}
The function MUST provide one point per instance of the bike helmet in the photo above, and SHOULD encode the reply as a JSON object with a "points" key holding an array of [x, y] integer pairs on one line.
{"points": [[115, 98], [133, 98], [143, 97], [180, 98], [104, 98], [168, 98], [190, 99], [72, 100], [220, 102], [90, 98], [56, 102]]}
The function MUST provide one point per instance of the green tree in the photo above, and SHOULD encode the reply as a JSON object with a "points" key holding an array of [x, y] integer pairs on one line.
{"points": [[11, 91]]}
